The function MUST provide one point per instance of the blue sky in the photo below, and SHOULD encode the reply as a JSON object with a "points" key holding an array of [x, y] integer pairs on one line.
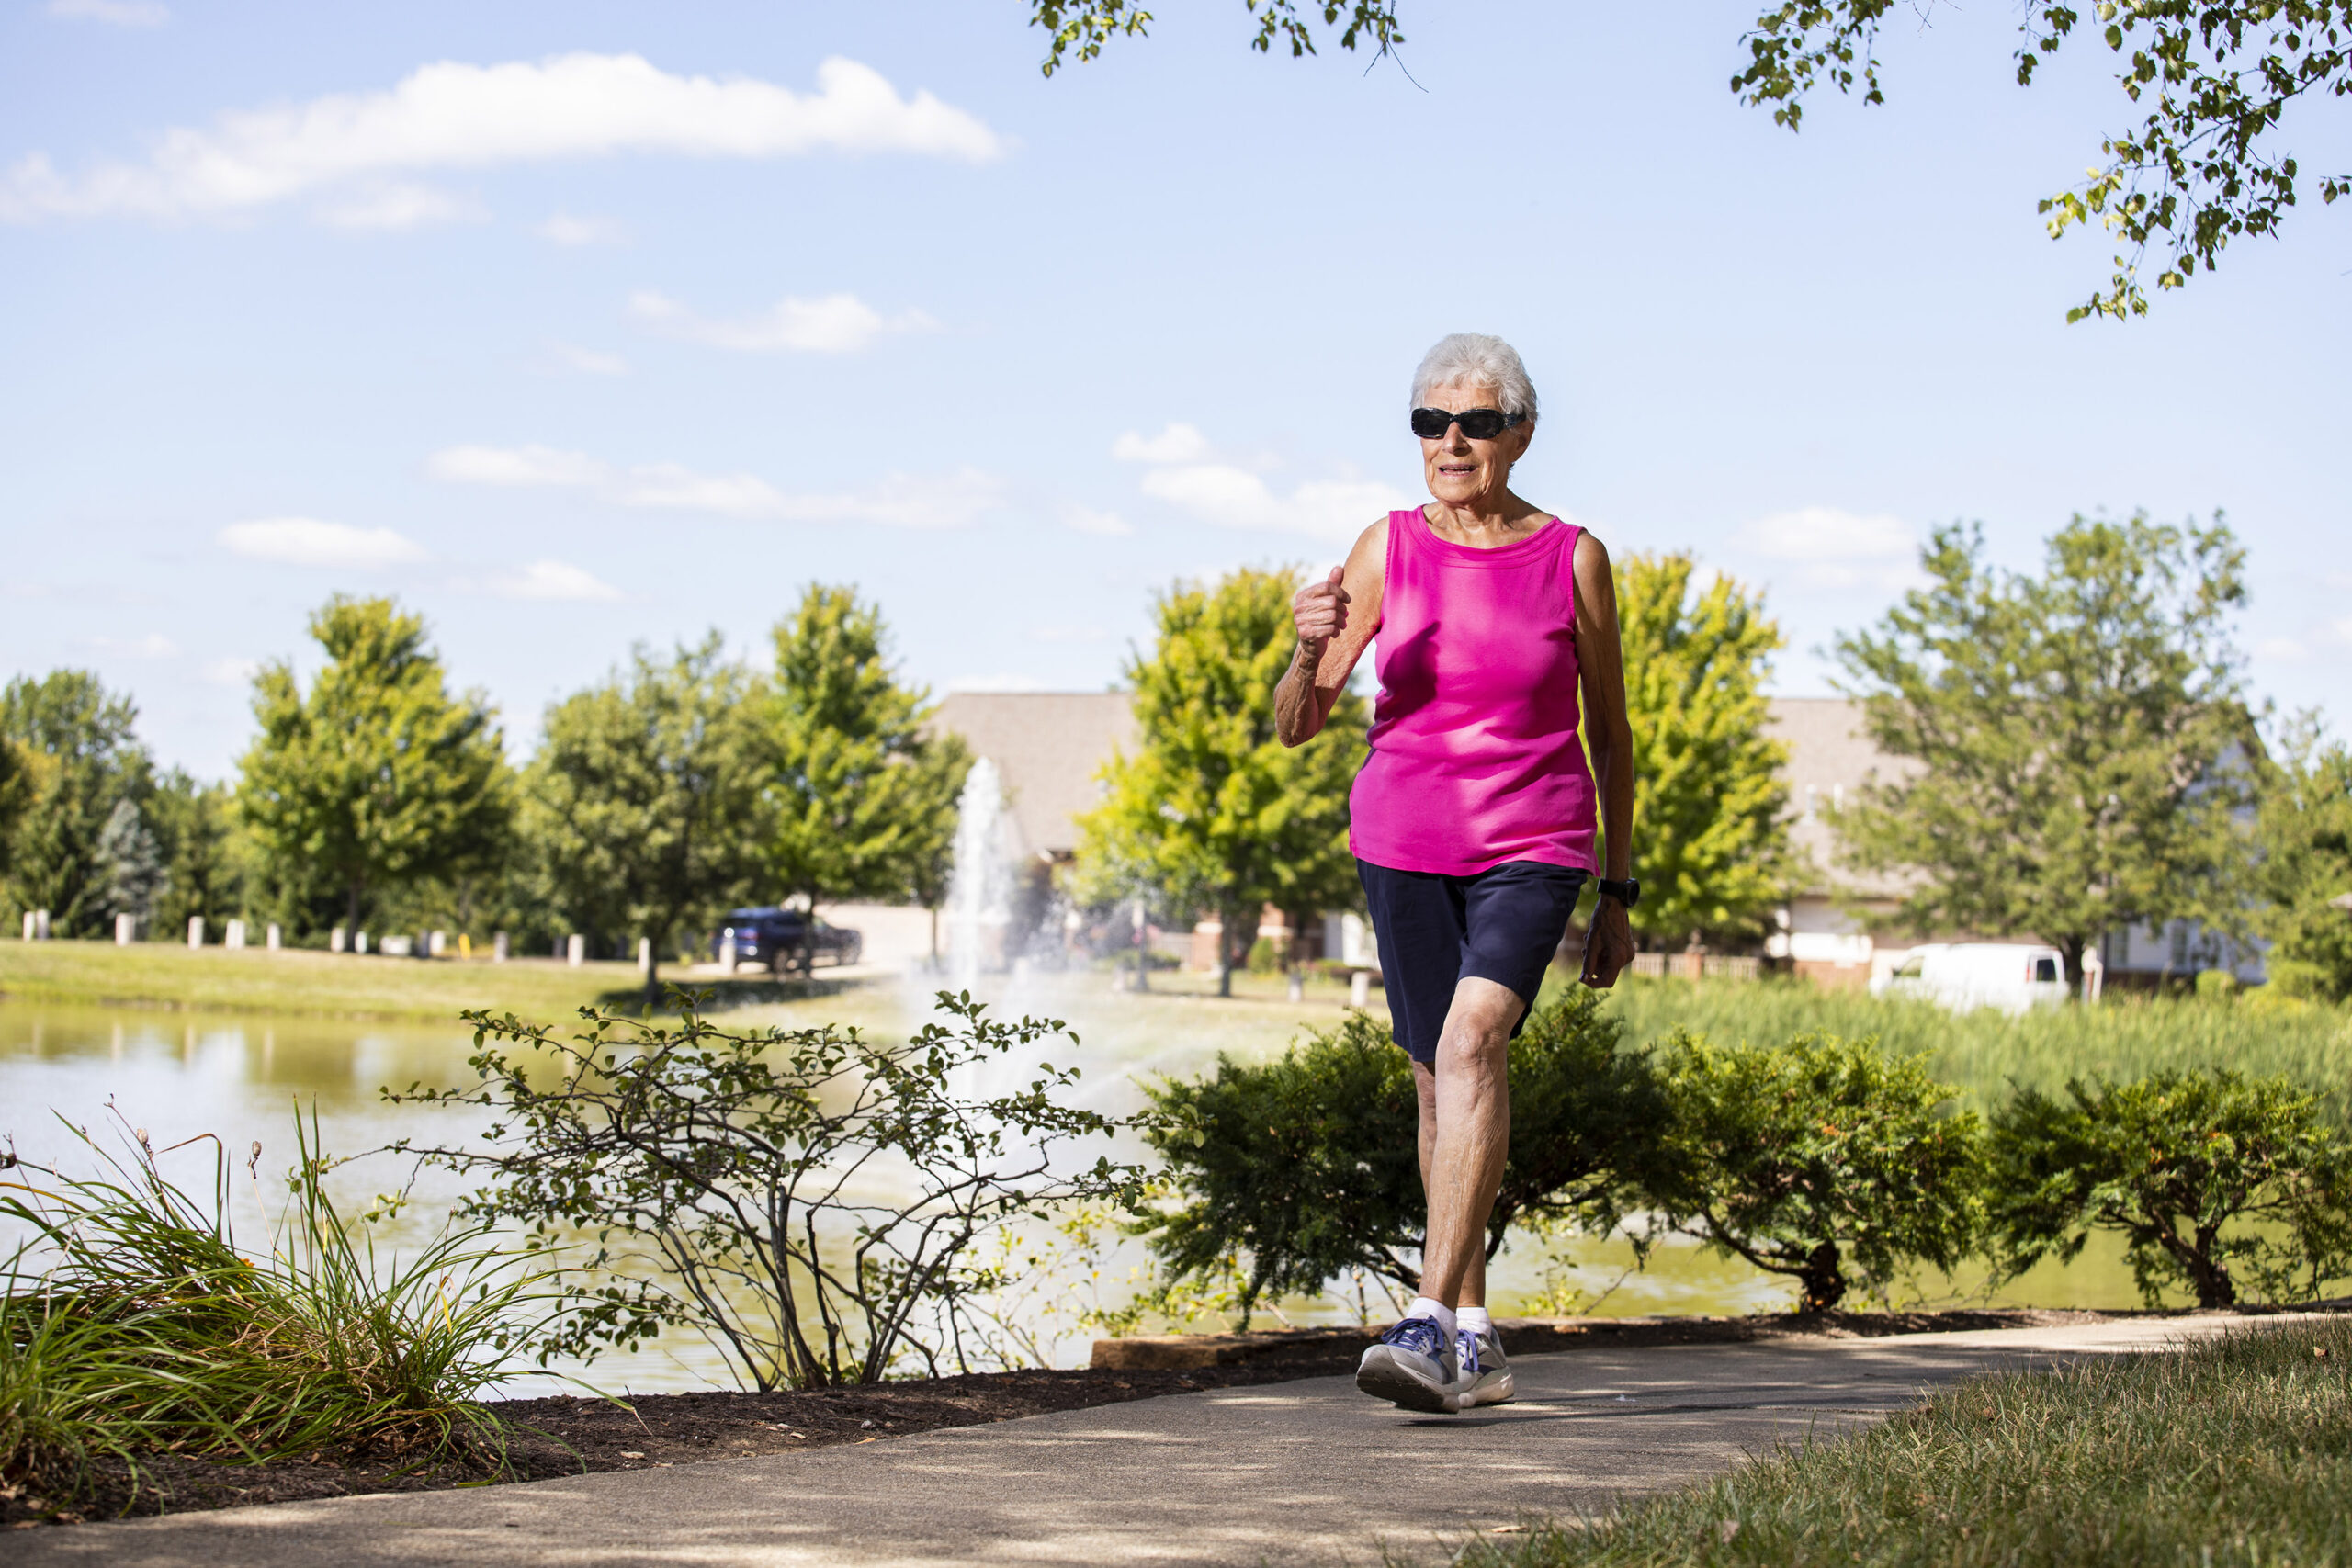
{"points": [[576, 325]]}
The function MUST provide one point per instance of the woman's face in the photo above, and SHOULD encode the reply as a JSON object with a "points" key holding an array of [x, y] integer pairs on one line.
{"points": [[1460, 471]]}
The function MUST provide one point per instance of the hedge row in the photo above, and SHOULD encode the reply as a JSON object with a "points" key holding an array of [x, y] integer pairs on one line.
{"points": [[1828, 1160]]}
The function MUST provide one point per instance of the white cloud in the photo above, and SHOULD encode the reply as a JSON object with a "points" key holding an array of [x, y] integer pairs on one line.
{"points": [[515, 465], [114, 12], [1068, 634], [452, 115], [563, 229], [231, 671], [1176, 444], [905, 501], [154, 645], [587, 361], [996, 683], [553, 582], [1086, 520], [837, 324], [2281, 650], [389, 208], [1235, 498], [307, 541], [1834, 549]]}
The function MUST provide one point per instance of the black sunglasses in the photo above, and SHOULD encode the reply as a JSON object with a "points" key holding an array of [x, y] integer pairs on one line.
{"points": [[1479, 424]]}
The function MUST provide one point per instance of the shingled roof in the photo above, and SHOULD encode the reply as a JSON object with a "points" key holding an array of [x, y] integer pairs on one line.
{"points": [[1048, 746]]}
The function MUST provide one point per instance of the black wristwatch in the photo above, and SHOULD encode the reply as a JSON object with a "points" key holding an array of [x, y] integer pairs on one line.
{"points": [[1628, 892]]}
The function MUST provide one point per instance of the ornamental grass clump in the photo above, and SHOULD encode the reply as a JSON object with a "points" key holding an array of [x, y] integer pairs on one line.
{"points": [[132, 1322], [2219, 1183]]}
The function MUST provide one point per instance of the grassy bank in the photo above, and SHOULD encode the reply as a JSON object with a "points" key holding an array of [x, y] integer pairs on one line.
{"points": [[296, 981], [2235, 1453]]}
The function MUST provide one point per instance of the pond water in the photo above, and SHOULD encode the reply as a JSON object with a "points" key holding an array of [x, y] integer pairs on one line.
{"points": [[240, 1078]]}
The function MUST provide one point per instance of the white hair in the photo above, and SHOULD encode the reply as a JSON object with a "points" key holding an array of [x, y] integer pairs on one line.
{"points": [[1476, 359]]}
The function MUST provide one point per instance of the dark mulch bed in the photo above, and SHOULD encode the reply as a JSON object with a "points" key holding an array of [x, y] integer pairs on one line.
{"points": [[655, 1429], [566, 1436]]}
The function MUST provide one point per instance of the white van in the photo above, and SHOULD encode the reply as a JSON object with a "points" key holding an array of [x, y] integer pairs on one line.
{"points": [[1964, 975]]}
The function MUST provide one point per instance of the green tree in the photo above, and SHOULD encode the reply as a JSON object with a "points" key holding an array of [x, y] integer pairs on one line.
{"points": [[16, 790], [2213, 81], [1212, 809], [133, 863], [644, 801], [2208, 1176], [82, 757], [2305, 875], [378, 777], [1825, 1160], [861, 798], [2081, 744], [196, 826], [1709, 795]]}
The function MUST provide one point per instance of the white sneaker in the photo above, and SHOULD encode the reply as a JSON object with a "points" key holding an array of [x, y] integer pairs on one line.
{"points": [[1483, 1368], [1415, 1366]]}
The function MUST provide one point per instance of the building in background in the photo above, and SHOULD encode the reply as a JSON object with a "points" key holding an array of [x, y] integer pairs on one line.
{"points": [[1051, 748]]}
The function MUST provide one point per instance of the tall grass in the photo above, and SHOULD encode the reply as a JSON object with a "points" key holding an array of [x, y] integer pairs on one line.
{"points": [[132, 1322], [1984, 1053], [2234, 1452]]}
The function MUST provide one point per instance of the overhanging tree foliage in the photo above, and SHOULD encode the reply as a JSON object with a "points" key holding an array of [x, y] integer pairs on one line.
{"points": [[2082, 750], [2216, 79], [79, 757], [644, 801], [1713, 854], [1212, 809], [860, 799], [378, 777]]}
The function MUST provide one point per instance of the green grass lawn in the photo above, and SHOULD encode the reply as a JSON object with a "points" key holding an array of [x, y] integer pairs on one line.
{"points": [[2238, 1451], [301, 981]]}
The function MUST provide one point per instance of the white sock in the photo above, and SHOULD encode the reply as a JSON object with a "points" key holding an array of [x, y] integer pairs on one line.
{"points": [[1437, 1312], [1474, 1320]]}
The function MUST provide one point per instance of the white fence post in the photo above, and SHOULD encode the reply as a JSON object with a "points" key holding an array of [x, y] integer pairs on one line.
{"points": [[337, 939], [1360, 989], [126, 930], [645, 956], [434, 943], [235, 939], [273, 937], [498, 948], [196, 931], [40, 925], [575, 951], [359, 943]]}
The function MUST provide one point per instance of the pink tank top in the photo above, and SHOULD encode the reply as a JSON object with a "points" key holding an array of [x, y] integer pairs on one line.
{"points": [[1474, 758]]}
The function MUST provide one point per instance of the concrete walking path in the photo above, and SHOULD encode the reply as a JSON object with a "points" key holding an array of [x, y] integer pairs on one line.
{"points": [[1309, 1472]]}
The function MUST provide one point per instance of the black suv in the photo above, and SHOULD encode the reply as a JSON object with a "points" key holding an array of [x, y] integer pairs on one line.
{"points": [[774, 936]]}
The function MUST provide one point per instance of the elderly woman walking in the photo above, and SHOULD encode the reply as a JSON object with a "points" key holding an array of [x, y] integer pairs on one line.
{"points": [[1473, 820]]}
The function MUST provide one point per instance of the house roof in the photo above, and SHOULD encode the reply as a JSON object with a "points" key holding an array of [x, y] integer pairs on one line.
{"points": [[1048, 746]]}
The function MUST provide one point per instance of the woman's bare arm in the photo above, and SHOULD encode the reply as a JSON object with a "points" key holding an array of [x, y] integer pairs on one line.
{"points": [[1337, 618], [1609, 736]]}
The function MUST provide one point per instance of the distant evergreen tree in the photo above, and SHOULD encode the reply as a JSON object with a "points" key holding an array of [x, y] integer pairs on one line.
{"points": [[133, 862]]}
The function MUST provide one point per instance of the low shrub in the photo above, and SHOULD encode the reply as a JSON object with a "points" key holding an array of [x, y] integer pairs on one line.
{"points": [[804, 1199], [1825, 1159], [1299, 1170], [2213, 1179], [133, 1322]]}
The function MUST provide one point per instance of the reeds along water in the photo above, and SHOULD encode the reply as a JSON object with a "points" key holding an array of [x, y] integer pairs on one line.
{"points": [[1984, 1053]]}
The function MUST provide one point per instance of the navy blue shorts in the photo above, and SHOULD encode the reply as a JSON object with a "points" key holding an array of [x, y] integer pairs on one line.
{"points": [[1503, 924]]}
